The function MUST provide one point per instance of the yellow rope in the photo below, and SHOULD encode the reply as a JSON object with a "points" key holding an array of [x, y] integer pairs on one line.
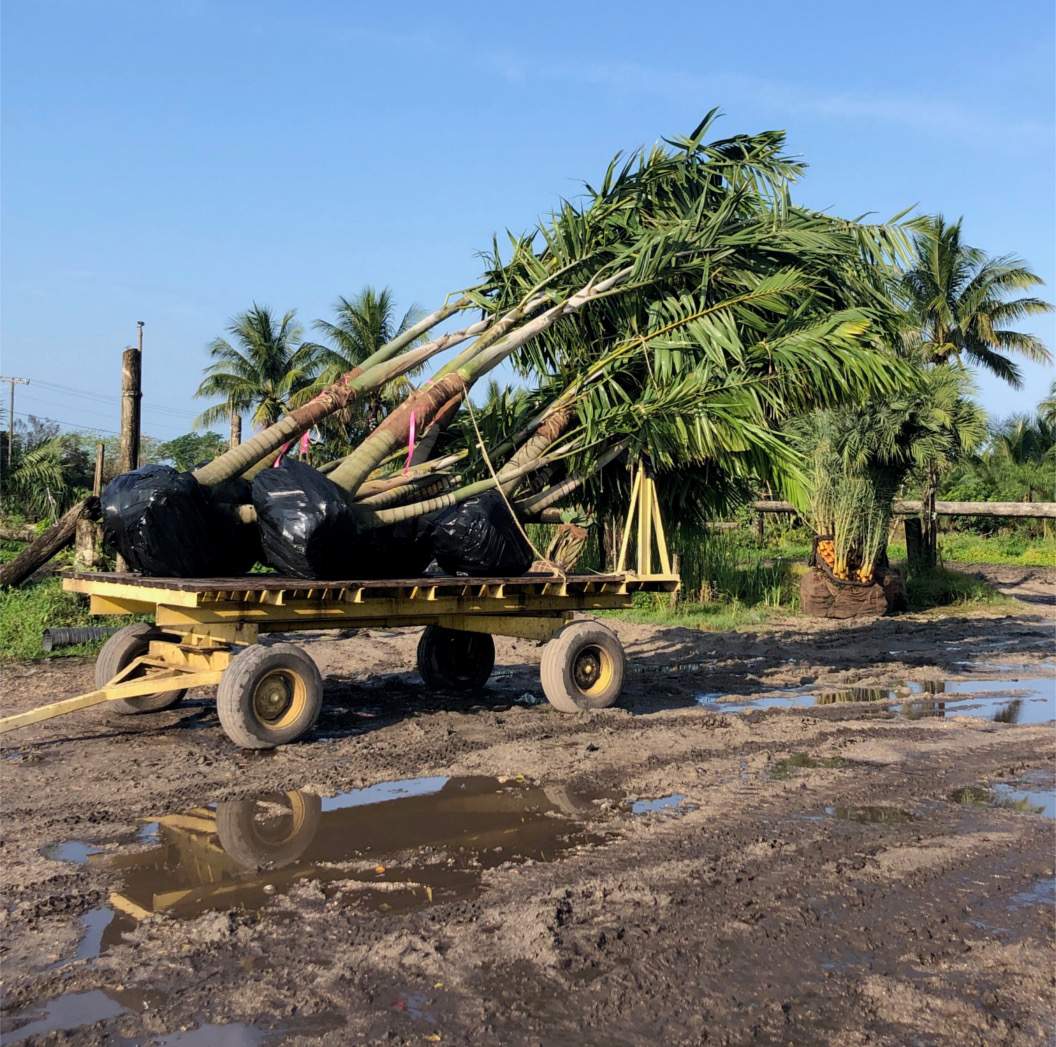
{"points": [[502, 493]]}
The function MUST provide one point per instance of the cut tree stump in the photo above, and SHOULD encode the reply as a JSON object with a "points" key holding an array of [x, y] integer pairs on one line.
{"points": [[52, 541]]}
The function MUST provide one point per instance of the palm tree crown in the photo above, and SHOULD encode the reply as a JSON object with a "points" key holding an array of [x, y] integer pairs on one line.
{"points": [[267, 364], [960, 305]]}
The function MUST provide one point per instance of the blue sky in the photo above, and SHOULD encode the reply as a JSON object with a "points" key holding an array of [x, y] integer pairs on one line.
{"points": [[175, 162]]}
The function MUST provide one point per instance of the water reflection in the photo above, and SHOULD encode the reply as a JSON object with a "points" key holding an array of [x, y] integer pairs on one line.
{"points": [[395, 846]]}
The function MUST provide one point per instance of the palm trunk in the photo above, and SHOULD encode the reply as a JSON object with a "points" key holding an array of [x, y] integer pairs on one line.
{"points": [[424, 448], [425, 402], [374, 372], [236, 428], [544, 499], [423, 487], [384, 517]]}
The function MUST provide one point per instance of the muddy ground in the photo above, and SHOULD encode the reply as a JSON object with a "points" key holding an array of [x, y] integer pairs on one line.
{"points": [[809, 875]]}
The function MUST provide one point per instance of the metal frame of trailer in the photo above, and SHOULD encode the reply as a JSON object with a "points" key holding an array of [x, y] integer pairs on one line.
{"points": [[205, 633]]}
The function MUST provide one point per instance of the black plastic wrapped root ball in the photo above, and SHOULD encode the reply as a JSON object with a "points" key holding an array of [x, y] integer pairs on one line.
{"points": [[159, 520], [237, 544], [401, 550], [307, 529], [479, 538]]}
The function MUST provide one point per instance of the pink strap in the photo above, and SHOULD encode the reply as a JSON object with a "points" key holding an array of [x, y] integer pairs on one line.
{"points": [[304, 444], [282, 453], [410, 446]]}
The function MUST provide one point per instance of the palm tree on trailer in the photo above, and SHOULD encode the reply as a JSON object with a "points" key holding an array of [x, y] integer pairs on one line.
{"points": [[960, 303], [361, 326], [260, 370]]}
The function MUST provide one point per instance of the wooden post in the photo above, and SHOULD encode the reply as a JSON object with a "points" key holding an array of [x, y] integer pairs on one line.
{"points": [[97, 481], [131, 394], [914, 541], [236, 428], [88, 537], [760, 527]]}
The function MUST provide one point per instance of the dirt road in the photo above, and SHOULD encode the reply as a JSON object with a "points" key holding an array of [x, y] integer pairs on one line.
{"points": [[853, 855]]}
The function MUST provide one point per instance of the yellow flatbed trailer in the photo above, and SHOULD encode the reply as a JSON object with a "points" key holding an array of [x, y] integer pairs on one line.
{"points": [[205, 633]]}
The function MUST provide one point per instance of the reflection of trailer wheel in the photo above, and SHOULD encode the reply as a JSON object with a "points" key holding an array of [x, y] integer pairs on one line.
{"points": [[125, 645], [582, 668], [269, 696], [272, 842], [455, 660]]}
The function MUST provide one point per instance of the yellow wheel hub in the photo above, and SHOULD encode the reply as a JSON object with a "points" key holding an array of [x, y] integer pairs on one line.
{"points": [[279, 698], [592, 669]]}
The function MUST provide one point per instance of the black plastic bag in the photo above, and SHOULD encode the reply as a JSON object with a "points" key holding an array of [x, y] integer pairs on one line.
{"points": [[479, 538], [159, 520], [307, 529], [401, 550], [237, 544]]}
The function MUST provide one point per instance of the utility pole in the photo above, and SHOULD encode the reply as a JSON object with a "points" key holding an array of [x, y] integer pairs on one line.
{"points": [[12, 382], [131, 395]]}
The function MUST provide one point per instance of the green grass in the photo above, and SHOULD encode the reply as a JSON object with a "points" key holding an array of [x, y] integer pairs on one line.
{"points": [[26, 612], [1011, 548], [720, 616], [941, 587], [1007, 548]]}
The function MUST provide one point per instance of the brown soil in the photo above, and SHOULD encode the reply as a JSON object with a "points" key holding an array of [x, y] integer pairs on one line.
{"points": [[756, 910]]}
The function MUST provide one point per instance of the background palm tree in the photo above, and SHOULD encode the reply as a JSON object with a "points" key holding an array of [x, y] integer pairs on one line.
{"points": [[264, 368], [362, 324], [960, 302]]}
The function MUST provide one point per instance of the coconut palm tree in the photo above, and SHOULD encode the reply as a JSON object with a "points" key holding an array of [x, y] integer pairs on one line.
{"points": [[960, 302], [264, 368], [1047, 407]]}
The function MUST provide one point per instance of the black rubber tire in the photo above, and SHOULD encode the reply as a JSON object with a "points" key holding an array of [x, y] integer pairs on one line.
{"points": [[455, 660], [582, 668], [239, 697], [126, 644], [255, 845]]}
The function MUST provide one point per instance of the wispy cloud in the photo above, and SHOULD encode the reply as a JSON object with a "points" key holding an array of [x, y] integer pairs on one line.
{"points": [[935, 116]]}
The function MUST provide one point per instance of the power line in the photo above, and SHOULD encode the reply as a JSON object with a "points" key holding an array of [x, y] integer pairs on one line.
{"points": [[104, 398], [70, 425]]}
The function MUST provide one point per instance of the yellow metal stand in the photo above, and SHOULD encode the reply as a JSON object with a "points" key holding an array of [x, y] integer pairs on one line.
{"points": [[643, 517]]}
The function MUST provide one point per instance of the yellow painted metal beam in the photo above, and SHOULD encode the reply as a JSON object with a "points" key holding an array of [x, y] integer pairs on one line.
{"points": [[523, 626], [390, 612], [129, 591], [108, 605], [114, 692]]}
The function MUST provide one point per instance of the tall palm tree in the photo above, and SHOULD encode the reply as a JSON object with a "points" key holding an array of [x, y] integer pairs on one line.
{"points": [[960, 302], [1047, 407], [264, 368]]}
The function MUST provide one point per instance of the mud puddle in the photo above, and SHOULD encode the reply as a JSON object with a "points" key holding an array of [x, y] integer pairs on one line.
{"points": [[1030, 793], [1014, 701], [394, 846], [74, 1011], [869, 814], [69, 1011], [671, 802]]}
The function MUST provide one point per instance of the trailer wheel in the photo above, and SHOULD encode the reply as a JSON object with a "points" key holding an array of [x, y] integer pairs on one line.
{"points": [[582, 668], [269, 696], [455, 660], [124, 646], [272, 842]]}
